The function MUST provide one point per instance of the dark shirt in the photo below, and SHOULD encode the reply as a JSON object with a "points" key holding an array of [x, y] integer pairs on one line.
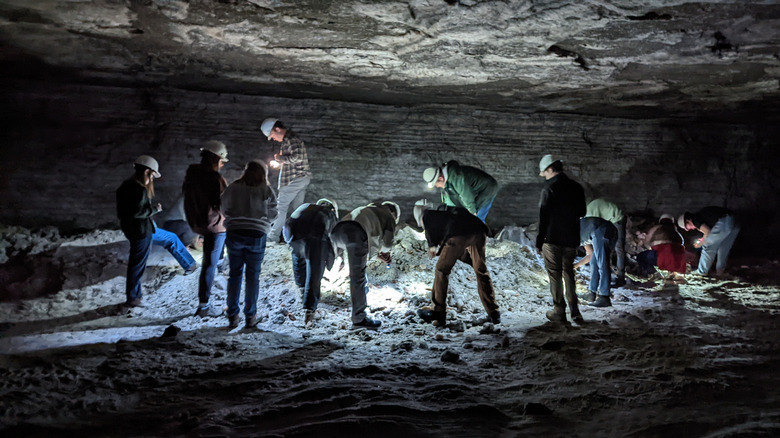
{"points": [[134, 209], [202, 190], [709, 216], [442, 224], [561, 206], [588, 225], [311, 221]]}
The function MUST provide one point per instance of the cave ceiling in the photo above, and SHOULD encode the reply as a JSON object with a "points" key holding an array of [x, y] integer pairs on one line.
{"points": [[610, 57]]}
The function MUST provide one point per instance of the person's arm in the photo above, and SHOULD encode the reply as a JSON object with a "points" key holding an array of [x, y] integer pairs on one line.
{"points": [[465, 194], [588, 256], [293, 154], [649, 236], [543, 220], [705, 231]]}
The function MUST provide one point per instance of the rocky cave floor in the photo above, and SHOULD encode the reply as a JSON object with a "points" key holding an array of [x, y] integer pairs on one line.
{"points": [[695, 359]]}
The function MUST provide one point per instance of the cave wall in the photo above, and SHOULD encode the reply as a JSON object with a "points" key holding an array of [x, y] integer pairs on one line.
{"points": [[65, 149]]}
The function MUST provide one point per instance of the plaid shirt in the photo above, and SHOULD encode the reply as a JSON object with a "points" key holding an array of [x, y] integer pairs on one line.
{"points": [[294, 160]]}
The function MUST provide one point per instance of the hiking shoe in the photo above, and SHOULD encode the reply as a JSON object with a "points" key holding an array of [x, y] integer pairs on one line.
{"points": [[234, 320], [192, 269], [588, 297], [601, 301], [554, 316], [208, 310], [429, 315], [368, 323], [308, 318], [251, 321], [578, 319], [620, 281], [136, 302], [495, 317]]}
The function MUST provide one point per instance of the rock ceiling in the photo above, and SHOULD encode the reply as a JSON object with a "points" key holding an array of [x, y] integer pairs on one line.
{"points": [[588, 56]]}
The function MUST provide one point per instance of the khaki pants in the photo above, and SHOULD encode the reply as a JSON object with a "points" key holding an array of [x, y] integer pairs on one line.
{"points": [[469, 250], [559, 262]]}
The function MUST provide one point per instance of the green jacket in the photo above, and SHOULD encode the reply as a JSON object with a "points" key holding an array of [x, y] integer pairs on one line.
{"points": [[468, 187]]}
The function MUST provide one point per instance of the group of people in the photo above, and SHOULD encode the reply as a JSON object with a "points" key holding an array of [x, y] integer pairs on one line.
{"points": [[248, 214], [566, 223]]}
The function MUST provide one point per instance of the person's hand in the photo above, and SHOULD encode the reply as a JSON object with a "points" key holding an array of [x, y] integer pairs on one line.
{"points": [[158, 207], [431, 252], [698, 243], [385, 257]]}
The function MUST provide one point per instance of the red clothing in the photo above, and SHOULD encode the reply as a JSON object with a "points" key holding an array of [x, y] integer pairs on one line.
{"points": [[670, 257]]}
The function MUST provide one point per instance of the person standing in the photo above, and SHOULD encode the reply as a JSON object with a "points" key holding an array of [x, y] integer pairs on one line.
{"points": [[598, 236], [294, 171], [135, 211], [202, 188], [463, 186], [363, 233], [307, 231], [458, 235], [609, 211], [249, 206], [719, 230], [561, 205]]}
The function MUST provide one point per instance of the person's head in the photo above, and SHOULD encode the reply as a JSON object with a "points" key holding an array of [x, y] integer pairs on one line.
{"points": [[395, 210], [273, 129], [419, 208], [214, 154], [255, 173], [330, 204], [685, 222], [666, 219], [549, 167], [146, 170], [434, 177]]}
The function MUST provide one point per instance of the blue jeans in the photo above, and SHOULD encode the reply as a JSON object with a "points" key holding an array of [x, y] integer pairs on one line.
{"points": [[288, 199], [136, 265], [308, 260], [483, 211], [718, 245], [244, 251], [602, 250], [171, 242], [212, 249]]}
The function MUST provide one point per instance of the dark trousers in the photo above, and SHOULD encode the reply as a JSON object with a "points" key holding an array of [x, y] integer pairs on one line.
{"points": [[136, 265], [213, 245], [352, 239], [469, 250], [308, 262], [559, 263]]}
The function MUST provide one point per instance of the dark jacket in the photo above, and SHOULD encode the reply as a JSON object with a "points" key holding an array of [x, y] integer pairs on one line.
{"points": [[202, 190], [561, 206], [311, 221], [134, 209], [442, 224], [468, 187]]}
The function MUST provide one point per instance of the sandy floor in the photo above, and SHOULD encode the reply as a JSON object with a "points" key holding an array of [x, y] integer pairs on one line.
{"points": [[696, 360]]}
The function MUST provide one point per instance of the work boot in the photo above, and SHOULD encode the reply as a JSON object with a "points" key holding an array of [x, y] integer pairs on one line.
{"points": [[251, 321], [367, 323], [136, 302], [601, 301], [619, 281], [429, 315], [192, 269], [233, 321], [556, 315], [495, 317]]}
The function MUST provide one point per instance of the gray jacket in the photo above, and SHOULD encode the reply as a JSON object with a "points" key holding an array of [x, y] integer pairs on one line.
{"points": [[249, 208]]}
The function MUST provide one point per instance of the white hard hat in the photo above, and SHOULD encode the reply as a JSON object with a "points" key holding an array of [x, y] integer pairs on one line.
{"points": [[149, 162], [666, 216], [397, 209], [333, 204], [681, 221], [419, 208], [267, 126], [546, 162], [217, 148]]}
